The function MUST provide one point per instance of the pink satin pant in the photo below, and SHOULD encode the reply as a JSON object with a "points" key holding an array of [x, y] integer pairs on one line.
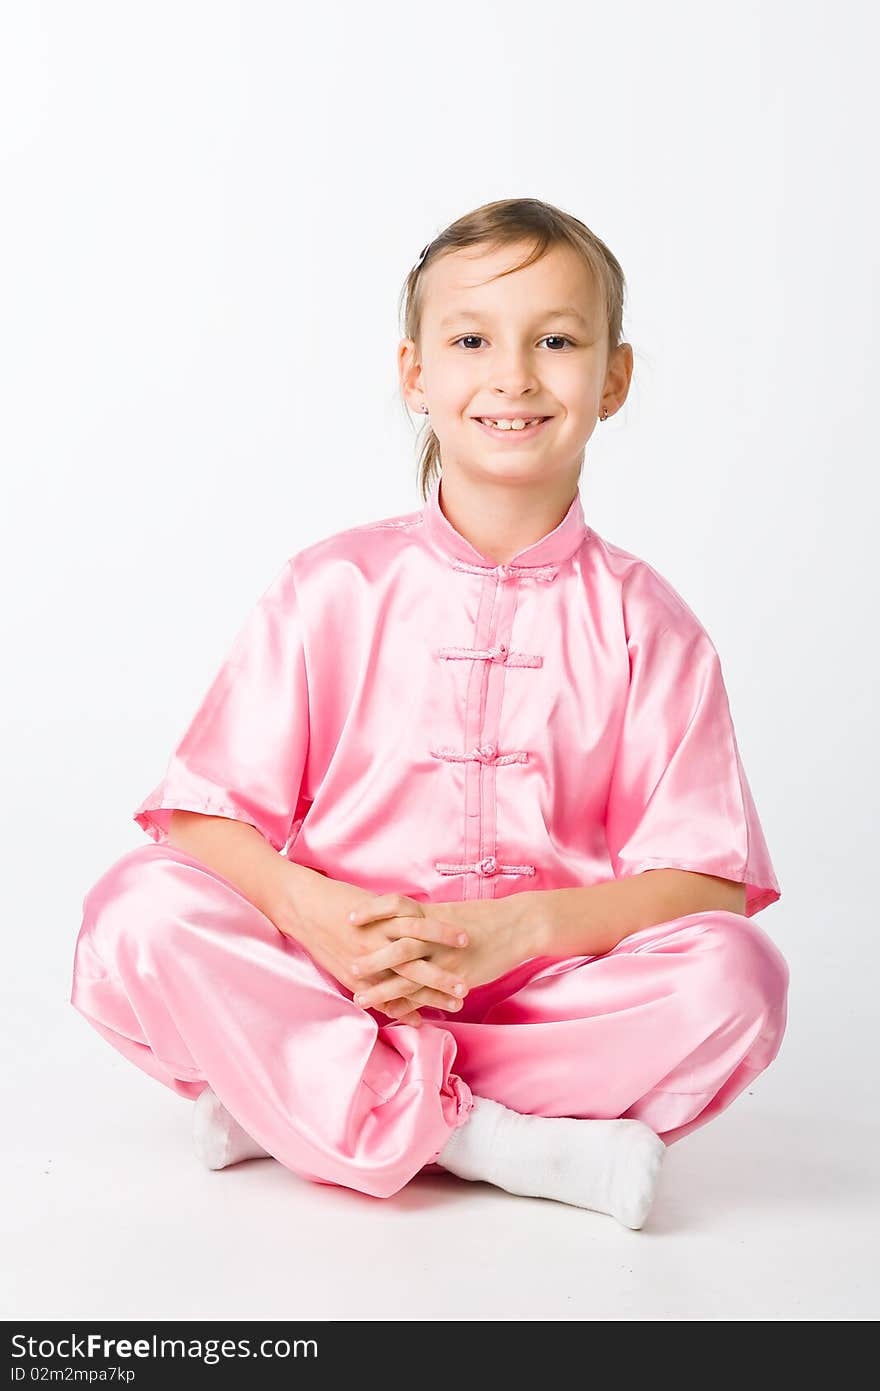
{"points": [[190, 981]]}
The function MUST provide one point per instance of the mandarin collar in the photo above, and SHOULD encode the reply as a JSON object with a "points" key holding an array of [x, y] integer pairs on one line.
{"points": [[554, 548]]}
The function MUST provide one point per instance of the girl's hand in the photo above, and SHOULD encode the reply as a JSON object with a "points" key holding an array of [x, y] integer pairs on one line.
{"points": [[317, 918], [414, 937], [498, 942]]}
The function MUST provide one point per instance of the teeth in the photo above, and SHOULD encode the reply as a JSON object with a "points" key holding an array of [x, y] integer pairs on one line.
{"points": [[511, 424]]}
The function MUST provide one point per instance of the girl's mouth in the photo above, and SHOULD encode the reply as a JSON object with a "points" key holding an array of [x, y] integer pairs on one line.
{"points": [[509, 433]]}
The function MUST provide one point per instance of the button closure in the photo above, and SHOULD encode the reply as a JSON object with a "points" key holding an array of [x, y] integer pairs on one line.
{"points": [[486, 752], [488, 866], [501, 652]]}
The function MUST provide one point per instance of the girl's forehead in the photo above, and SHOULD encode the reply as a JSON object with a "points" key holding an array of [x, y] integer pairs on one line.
{"points": [[472, 278]]}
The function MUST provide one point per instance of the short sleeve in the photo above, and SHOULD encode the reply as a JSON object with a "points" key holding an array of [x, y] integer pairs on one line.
{"points": [[243, 754], [679, 797]]}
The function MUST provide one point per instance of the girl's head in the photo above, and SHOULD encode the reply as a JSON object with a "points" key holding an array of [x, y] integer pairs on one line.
{"points": [[515, 309]]}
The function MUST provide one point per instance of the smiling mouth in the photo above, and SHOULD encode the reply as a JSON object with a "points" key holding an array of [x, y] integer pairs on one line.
{"points": [[515, 430]]}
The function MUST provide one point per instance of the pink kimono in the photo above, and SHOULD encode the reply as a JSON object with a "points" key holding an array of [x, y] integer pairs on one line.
{"points": [[401, 713]]}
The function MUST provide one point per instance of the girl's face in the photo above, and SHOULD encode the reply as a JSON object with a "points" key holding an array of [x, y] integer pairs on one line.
{"points": [[532, 343]]}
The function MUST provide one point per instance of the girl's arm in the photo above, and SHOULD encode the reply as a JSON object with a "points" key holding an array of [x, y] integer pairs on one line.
{"points": [[238, 851], [590, 921]]}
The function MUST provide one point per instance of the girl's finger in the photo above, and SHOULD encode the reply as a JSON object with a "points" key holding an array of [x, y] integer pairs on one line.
{"points": [[377, 993], [387, 990], [446, 934], [388, 957], [428, 974], [381, 906], [404, 917], [436, 999], [435, 978], [366, 990]]}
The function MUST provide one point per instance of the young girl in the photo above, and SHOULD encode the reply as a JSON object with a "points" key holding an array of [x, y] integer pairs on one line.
{"points": [[455, 866]]}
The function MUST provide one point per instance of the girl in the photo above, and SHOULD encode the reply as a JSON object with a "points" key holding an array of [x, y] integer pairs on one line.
{"points": [[454, 867]]}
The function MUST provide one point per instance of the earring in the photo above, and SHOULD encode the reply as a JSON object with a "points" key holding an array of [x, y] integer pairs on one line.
{"points": [[604, 414], [425, 410]]}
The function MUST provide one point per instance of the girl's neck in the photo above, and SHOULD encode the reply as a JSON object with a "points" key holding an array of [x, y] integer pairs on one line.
{"points": [[500, 520]]}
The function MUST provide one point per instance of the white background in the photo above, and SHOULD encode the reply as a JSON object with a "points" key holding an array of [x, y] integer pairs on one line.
{"points": [[208, 213]]}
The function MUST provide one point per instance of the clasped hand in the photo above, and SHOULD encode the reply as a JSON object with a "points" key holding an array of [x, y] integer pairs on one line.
{"points": [[410, 970]]}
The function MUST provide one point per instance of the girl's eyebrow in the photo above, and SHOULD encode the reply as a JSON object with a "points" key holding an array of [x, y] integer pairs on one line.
{"points": [[565, 313]]}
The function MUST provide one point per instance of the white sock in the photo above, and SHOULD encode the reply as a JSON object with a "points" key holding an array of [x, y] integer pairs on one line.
{"points": [[218, 1139], [610, 1166]]}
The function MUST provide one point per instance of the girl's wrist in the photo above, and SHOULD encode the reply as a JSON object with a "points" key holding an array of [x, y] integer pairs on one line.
{"points": [[524, 916], [295, 889]]}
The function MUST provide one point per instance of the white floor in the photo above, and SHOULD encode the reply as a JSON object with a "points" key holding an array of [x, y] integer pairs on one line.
{"points": [[768, 1212]]}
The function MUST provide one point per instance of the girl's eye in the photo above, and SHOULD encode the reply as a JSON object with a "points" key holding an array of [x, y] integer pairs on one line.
{"points": [[558, 336]]}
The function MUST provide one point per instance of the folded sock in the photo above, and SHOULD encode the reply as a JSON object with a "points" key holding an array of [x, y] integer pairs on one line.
{"points": [[610, 1166], [218, 1139]]}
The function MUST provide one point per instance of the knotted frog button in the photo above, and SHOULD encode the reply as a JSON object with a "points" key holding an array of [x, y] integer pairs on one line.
{"points": [[488, 866], [501, 652], [503, 572], [486, 752]]}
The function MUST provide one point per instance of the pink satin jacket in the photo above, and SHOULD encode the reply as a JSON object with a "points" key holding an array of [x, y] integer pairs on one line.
{"points": [[401, 713]]}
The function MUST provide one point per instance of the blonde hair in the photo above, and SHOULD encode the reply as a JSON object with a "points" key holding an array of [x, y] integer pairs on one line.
{"points": [[506, 223]]}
